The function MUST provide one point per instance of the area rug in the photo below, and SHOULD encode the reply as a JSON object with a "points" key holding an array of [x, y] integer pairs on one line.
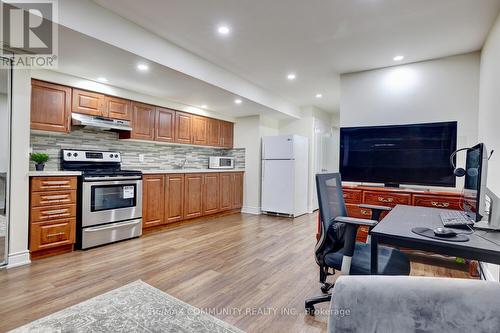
{"points": [[135, 307]]}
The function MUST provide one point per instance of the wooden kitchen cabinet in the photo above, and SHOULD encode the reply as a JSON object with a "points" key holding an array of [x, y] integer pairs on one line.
{"points": [[193, 195], [211, 197], [199, 130], [143, 121], [89, 103], [237, 187], [227, 130], [50, 107], [52, 215], [174, 197], [213, 136], [231, 190], [117, 108], [165, 125], [153, 203], [183, 127]]}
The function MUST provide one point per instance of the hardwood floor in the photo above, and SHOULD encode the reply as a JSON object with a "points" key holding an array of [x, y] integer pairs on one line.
{"points": [[254, 264]]}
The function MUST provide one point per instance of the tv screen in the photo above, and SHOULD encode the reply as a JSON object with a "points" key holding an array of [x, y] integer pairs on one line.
{"points": [[416, 154]]}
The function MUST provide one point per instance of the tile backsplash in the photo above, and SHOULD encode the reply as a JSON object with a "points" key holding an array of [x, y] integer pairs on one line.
{"points": [[156, 155]]}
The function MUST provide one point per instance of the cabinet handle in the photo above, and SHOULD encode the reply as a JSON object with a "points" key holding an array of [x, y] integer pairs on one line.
{"points": [[388, 200], [440, 205], [56, 197], [54, 212], [53, 182], [365, 212], [58, 234]]}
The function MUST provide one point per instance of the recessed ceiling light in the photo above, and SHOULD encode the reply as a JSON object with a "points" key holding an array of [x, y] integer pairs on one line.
{"points": [[223, 30], [204, 106], [238, 101], [142, 67], [291, 76], [319, 95], [102, 79], [398, 58]]}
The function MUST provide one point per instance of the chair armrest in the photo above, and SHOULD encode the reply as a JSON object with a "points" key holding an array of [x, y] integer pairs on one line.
{"points": [[356, 221], [383, 208]]}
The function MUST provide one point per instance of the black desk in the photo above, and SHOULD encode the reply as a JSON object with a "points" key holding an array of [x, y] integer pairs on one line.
{"points": [[395, 229]]}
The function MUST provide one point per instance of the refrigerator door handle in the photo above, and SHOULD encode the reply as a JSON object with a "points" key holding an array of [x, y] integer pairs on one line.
{"points": [[263, 169]]}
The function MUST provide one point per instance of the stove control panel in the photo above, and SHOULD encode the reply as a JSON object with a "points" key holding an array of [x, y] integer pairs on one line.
{"points": [[70, 155]]}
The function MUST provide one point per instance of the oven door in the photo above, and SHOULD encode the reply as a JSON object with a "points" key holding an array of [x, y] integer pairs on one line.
{"points": [[106, 201]]}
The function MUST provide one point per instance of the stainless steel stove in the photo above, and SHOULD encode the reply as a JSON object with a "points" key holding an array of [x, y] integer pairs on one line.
{"points": [[110, 199]]}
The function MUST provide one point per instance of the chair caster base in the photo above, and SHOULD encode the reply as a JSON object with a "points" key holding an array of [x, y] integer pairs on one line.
{"points": [[309, 304], [326, 287]]}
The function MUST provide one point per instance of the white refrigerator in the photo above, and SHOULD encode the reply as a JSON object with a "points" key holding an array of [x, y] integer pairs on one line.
{"points": [[285, 165]]}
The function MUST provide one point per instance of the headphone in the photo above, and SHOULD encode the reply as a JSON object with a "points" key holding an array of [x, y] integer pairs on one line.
{"points": [[460, 172]]}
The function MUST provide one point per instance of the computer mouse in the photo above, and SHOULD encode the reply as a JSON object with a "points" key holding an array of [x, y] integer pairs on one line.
{"points": [[444, 232]]}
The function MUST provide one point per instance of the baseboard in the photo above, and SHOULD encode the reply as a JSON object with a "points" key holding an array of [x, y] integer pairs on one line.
{"points": [[251, 210], [487, 274], [19, 259]]}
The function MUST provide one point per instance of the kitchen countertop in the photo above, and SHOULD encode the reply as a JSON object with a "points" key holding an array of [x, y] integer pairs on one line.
{"points": [[53, 173], [151, 172]]}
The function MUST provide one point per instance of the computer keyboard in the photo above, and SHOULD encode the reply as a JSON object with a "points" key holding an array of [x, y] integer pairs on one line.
{"points": [[455, 219]]}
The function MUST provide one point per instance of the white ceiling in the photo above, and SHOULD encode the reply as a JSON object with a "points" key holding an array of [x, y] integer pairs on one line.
{"points": [[316, 39], [89, 58]]}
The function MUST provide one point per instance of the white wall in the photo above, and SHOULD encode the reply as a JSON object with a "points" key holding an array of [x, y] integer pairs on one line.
{"points": [[19, 198], [489, 111], [444, 89]]}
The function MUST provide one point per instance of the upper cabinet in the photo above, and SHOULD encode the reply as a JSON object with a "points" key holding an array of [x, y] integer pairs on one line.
{"points": [[143, 121], [117, 108], [90, 103], [165, 125], [183, 127], [227, 134], [50, 107], [200, 130]]}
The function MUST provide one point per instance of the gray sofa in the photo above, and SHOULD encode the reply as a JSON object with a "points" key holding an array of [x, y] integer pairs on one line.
{"points": [[414, 304]]}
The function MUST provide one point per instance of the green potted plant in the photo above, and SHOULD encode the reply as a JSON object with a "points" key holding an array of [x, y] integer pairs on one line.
{"points": [[40, 159]]}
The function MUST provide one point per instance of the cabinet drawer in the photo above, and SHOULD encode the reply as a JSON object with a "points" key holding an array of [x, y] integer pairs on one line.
{"points": [[386, 199], [362, 234], [352, 196], [437, 201], [354, 211], [52, 234], [53, 183], [41, 199], [42, 214]]}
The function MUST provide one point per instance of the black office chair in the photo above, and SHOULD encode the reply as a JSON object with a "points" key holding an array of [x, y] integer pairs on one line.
{"points": [[337, 248]]}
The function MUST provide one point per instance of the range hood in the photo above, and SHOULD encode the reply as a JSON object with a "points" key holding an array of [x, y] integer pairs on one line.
{"points": [[100, 123]]}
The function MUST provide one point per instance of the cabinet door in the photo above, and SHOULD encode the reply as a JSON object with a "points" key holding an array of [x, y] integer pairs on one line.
{"points": [[226, 192], [174, 197], [143, 121], [153, 200], [164, 128], [214, 135], [237, 187], [200, 130], [227, 134], [211, 188], [183, 127], [117, 108], [50, 107], [193, 188], [87, 102]]}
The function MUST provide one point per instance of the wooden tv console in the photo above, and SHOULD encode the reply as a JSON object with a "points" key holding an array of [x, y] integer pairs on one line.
{"points": [[355, 195]]}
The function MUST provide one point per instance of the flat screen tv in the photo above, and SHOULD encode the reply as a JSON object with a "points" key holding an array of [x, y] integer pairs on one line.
{"points": [[417, 154]]}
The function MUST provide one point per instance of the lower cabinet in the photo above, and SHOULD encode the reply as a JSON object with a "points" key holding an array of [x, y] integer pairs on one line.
{"points": [[52, 215], [171, 198]]}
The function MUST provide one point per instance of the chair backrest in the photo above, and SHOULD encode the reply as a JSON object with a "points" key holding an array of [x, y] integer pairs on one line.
{"points": [[331, 205]]}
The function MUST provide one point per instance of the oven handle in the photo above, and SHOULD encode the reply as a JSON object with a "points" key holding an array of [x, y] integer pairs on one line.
{"points": [[110, 178], [113, 226]]}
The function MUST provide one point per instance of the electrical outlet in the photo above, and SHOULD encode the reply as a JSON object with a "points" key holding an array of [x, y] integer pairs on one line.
{"points": [[141, 157]]}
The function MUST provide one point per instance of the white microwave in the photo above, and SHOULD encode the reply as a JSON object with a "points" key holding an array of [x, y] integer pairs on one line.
{"points": [[220, 162]]}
